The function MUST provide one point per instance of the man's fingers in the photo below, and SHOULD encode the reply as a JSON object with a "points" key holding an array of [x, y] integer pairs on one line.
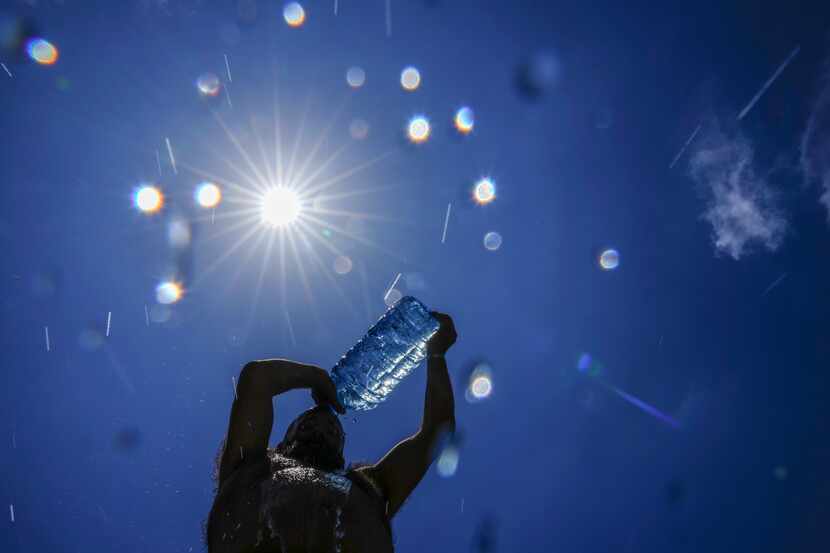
{"points": [[328, 394], [447, 324], [332, 392]]}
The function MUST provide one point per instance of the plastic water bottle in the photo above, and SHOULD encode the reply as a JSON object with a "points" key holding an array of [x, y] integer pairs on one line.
{"points": [[390, 350]]}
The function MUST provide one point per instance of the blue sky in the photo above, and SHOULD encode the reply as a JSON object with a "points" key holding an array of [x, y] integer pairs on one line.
{"points": [[110, 439]]}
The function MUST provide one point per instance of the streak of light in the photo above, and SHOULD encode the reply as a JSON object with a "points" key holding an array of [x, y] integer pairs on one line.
{"points": [[344, 175], [769, 82], [646, 408], [158, 161], [46, 331], [14, 440], [109, 319], [299, 180], [290, 327], [359, 239], [6, 69], [261, 277], [309, 231], [775, 283], [228, 68], [228, 98], [11, 511], [252, 196], [298, 259], [298, 138], [170, 152], [683, 149], [335, 7], [391, 287], [227, 253], [462, 504], [244, 154], [278, 166], [146, 315], [640, 404], [119, 370], [233, 379], [446, 221], [241, 453], [388, 18]]}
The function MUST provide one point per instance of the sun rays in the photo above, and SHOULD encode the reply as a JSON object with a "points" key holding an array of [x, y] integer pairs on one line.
{"points": [[284, 208]]}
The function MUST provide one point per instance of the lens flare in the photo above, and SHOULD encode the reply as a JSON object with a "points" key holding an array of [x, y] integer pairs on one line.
{"points": [[410, 79], [481, 387], [418, 129], [179, 233], [208, 195], [294, 14], [148, 199], [356, 77], [484, 191], [342, 265], [208, 84], [447, 464], [168, 292], [609, 259], [479, 383], [588, 365], [42, 51], [492, 241], [359, 129], [280, 206], [464, 120]]}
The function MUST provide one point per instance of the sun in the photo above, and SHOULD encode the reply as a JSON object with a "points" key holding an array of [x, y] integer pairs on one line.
{"points": [[287, 205], [280, 207]]}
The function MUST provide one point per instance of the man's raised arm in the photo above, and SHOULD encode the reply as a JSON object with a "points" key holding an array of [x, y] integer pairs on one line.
{"points": [[252, 415], [400, 470]]}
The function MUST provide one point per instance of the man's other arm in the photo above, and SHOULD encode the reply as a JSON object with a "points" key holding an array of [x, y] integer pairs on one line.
{"points": [[399, 471]]}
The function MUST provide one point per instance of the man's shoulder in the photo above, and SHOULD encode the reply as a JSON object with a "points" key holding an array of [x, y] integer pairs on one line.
{"points": [[362, 474]]}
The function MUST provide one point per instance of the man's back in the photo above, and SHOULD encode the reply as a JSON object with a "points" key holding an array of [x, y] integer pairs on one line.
{"points": [[276, 504], [296, 497]]}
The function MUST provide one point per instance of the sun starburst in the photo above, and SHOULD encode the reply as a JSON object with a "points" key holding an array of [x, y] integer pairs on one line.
{"points": [[287, 204]]}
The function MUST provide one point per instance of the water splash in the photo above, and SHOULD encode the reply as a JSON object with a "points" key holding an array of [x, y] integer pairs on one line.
{"points": [[339, 533]]}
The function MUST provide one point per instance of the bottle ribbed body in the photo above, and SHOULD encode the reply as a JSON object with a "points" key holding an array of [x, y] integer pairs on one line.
{"points": [[390, 350]]}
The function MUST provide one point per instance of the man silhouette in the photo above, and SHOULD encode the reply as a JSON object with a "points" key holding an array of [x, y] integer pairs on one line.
{"points": [[297, 497]]}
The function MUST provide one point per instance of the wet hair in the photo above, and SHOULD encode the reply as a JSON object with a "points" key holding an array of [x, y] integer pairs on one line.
{"points": [[323, 458]]}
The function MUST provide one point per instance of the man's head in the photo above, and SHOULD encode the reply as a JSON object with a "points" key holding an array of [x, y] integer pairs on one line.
{"points": [[315, 438]]}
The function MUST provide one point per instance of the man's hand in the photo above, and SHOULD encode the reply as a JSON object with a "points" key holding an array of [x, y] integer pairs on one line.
{"points": [[323, 391], [272, 377], [442, 340]]}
